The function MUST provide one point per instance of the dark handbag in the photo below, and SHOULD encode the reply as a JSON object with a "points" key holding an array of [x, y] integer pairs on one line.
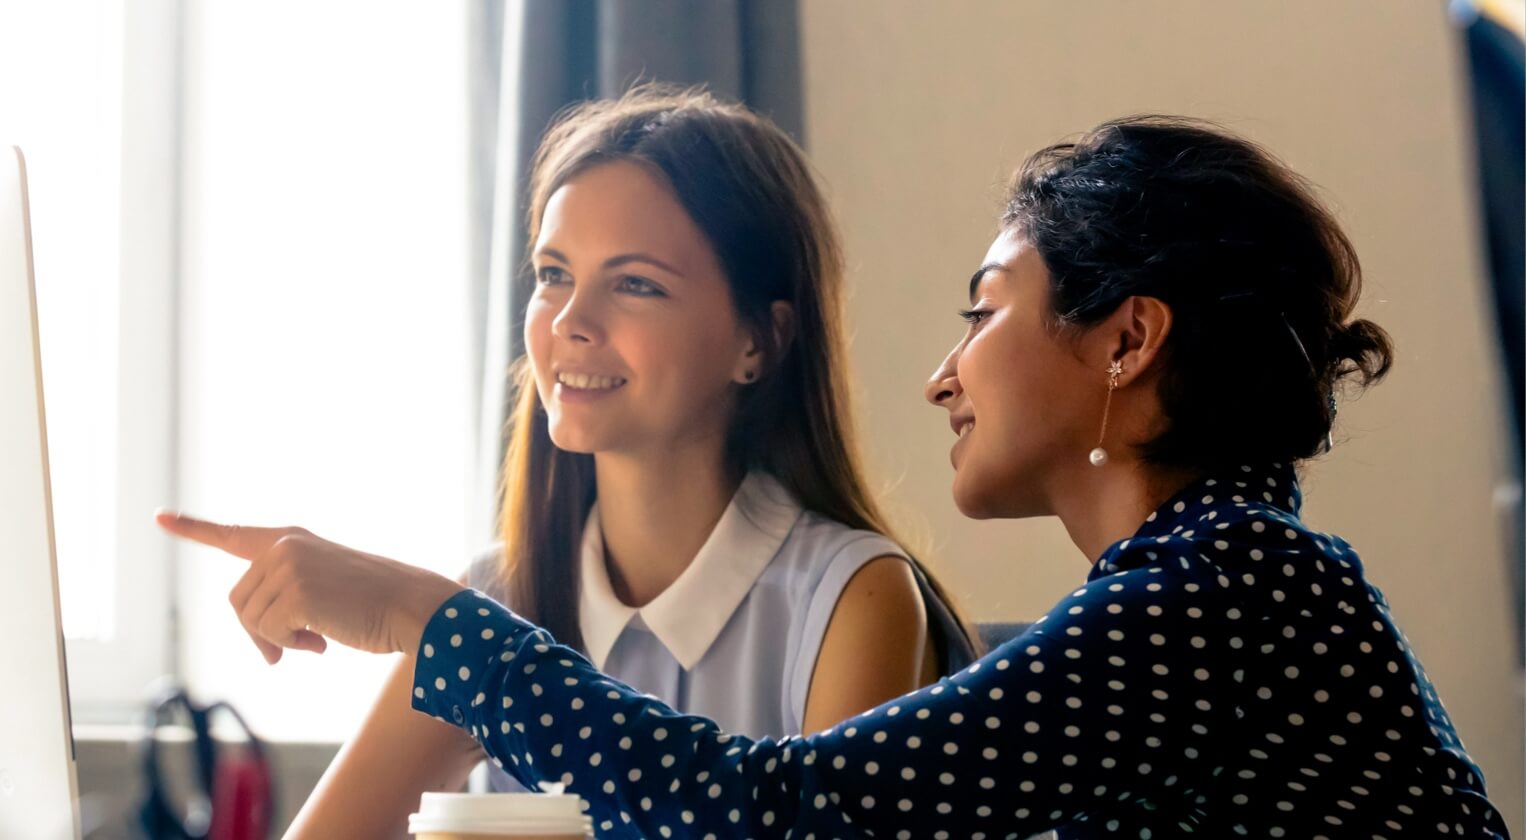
{"points": [[231, 795]]}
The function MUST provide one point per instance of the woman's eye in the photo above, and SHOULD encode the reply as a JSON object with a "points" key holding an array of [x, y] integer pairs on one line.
{"points": [[639, 286], [974, 316], [550, 275]]}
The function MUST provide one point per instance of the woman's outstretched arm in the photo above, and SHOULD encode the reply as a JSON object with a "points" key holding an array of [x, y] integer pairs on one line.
{"points": [[1025, 739]]}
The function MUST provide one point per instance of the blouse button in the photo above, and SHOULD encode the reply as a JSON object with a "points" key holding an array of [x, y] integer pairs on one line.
{"points": [[455, 712]]}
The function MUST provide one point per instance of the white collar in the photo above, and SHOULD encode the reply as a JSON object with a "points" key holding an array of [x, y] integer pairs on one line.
{"points": [[689, 615]]}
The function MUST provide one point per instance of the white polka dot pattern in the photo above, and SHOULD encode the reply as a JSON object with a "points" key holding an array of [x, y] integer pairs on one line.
{"points": [[1225, 672]]}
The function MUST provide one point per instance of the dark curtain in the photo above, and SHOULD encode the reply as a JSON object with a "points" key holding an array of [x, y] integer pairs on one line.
{"points": [[1497, 76], [528, 60]]}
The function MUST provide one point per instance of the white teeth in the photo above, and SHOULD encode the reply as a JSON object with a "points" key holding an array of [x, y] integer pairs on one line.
{"points": [[586, 382], [965, 429]]}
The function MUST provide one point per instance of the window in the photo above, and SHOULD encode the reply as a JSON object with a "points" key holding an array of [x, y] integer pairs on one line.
{"points": [[70, 130], [87, 92], [251, 249], [323, 316]]}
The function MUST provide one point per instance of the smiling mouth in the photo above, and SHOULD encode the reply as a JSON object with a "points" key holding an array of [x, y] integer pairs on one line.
{"points": [[588, 382]]}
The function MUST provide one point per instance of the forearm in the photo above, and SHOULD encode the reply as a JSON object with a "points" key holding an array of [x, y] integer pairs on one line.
{"points": [[967, 751], [543, 713], [375, 780]]}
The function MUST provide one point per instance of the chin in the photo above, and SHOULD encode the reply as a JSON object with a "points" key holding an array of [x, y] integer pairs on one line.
{"points": [[570, 440], [972, 500], [999, 496]]}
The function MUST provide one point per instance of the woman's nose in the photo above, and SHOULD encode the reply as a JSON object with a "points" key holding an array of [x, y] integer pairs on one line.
{"points": [[944, 383], [577, 322]]}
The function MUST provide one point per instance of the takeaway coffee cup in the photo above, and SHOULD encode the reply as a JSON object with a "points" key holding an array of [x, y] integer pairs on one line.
{"points": [[500, 816]]}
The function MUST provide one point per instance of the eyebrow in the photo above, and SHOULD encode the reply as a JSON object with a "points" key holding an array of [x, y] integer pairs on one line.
{"points": [[980, 274], [618, 260]]}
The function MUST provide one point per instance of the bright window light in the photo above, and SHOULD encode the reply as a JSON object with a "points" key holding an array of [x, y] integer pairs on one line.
{"points": [[324, 359], [60, 101]]}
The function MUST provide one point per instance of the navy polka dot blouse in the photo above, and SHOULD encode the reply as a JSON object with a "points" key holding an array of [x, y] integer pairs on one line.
{"points": [[1225, 672]]}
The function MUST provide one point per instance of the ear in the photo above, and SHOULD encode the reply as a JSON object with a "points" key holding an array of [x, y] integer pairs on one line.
{"points": [[755, 359], [1135, 335]]}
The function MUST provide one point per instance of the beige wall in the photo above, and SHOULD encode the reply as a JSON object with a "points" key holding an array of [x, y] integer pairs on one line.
{"points": [[916, 112]]}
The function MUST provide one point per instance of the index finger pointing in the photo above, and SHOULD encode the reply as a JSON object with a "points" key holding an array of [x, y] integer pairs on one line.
{"points": [[239, 540]]}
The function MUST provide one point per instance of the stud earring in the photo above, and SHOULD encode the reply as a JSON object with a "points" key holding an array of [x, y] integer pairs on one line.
{"points": [[1098, 456]]}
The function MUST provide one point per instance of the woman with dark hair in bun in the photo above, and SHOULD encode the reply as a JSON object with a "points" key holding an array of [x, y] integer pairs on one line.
{"points": [[1161, 332]]}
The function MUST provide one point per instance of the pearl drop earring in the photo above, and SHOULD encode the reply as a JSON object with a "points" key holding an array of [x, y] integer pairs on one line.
{"points": [[1098, 456]]}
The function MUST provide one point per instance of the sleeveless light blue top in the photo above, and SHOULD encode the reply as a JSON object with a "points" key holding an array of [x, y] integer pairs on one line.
{"points": [[736, 636]]}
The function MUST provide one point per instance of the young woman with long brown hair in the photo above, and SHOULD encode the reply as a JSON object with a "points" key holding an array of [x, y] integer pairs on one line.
{"points": [[682, 495]]}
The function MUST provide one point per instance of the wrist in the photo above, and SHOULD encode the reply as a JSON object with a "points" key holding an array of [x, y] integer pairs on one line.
{"points": [[418, 604]]}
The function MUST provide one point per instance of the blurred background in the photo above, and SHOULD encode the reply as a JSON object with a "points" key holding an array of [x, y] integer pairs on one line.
{"points": [[273, 246]]}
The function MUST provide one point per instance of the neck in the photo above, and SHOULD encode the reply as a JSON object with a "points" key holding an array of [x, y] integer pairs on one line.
{"points": [[656, 512], [1106, 504]]}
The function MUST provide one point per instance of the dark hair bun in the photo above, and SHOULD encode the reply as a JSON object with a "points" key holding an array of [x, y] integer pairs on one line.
{"points": [[1261, 280], [1363, 350]]}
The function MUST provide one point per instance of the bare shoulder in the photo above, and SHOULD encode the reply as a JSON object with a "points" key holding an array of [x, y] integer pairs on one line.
{"points": [[881, 587], [875, 644]]}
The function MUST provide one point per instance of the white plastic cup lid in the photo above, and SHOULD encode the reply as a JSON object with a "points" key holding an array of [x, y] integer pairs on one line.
{"points": [[504, 813]]}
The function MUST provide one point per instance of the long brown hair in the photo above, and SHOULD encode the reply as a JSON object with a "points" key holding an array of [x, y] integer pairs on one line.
{"points": [[749, 189]]}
